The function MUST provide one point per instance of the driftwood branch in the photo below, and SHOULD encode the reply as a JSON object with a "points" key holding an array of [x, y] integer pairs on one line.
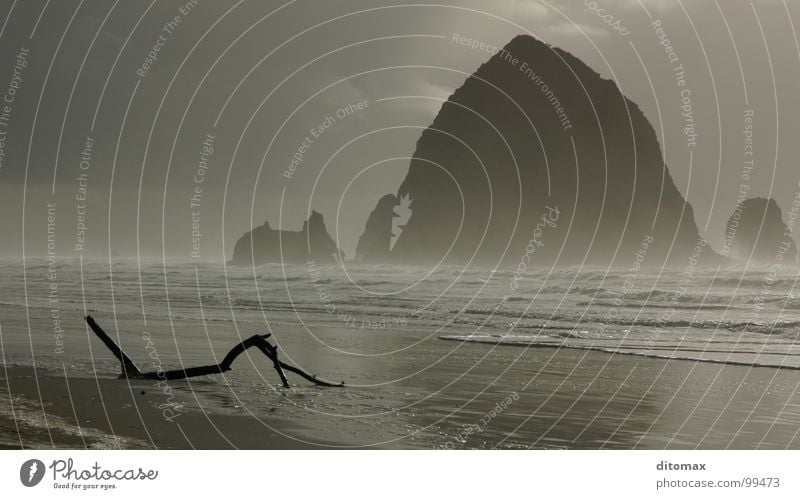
{"points": [[129, 369]]}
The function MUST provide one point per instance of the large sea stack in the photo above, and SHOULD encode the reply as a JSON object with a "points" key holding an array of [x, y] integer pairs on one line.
{"points": [[756, 232], [537, 133]]}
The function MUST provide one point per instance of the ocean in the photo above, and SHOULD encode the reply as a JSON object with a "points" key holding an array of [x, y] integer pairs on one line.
{"points": [[447, 358]]}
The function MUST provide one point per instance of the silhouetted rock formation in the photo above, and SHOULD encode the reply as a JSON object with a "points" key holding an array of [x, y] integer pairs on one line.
{"points": [[756, 232], [264, 244], [535, 129], [374, 243]]}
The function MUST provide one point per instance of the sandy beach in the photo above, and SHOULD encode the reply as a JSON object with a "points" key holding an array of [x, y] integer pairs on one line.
{"points": [[51, 411], [407, 388], [630, 405]]}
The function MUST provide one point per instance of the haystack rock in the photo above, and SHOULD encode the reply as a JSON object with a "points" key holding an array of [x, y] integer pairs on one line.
{"points": [[537, 155], [756, 232], [265, 245]]}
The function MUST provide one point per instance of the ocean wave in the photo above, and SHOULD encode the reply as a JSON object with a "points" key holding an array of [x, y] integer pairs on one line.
{"points": [[646, 305], [693, 355], [367, 282], [774, 298], [759, 280], [28, 414], [271, 278], [765, 327], [792, 304], [572, 290]]}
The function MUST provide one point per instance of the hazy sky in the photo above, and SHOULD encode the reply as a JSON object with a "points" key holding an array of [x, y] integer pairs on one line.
{"points": [[259, 75]]}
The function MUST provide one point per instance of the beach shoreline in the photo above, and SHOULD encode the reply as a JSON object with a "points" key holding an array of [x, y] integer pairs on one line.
{"points": [[46, 410], [406, 388], [742, 408]]}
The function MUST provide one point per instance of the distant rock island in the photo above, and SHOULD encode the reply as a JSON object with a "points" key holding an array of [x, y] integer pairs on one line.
{"points": [[536, 155], [266, 245], [756, 232]]}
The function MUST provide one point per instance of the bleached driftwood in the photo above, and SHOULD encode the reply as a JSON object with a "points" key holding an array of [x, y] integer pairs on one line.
{"points": [[129, 369]]}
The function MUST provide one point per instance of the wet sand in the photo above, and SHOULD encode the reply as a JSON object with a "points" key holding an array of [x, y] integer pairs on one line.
{"points": [[508, 398], [49, 410]]}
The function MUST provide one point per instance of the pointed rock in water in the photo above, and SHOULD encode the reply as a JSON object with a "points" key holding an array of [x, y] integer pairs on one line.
{"points": [[756, 232], [265, 245], [374, 244], [536, 130]]}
